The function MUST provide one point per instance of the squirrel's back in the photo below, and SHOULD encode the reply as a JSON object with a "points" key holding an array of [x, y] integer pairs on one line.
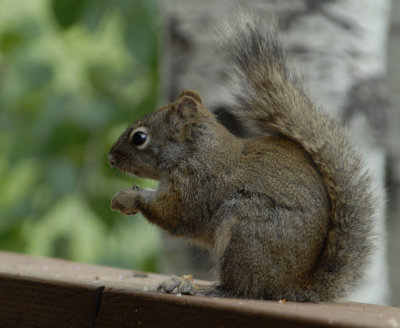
{"points": [[272, 99]]}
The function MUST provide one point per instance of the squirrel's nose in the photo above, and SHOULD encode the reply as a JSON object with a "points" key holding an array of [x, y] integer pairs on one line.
{"points": [[111, 160]]}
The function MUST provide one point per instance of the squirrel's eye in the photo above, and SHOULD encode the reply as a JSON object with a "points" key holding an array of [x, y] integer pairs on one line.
{"points": [[139, 138]]}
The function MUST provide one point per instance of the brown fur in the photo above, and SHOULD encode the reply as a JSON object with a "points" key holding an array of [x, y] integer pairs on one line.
{"points": [[286, 217]]}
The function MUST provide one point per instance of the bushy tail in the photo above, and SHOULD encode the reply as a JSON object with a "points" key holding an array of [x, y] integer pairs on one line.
{"points": [[270, 98]]}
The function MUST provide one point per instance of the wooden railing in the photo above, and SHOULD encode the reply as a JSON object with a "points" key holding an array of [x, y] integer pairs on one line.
{"points": [[38, 292]]}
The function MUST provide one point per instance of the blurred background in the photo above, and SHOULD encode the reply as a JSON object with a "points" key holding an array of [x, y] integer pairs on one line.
{"points": [[75, 73]]}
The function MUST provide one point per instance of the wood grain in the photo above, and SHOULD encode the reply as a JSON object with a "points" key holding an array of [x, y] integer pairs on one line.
{"points": [[32, 302], [37, 292]]}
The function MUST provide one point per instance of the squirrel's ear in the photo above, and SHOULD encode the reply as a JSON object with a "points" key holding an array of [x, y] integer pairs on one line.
{"points": [[193, 94], [186, 108]]}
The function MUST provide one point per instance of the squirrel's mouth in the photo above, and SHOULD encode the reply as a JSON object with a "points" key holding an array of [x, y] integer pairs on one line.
{"points": [[125, 165], [122, 164]]}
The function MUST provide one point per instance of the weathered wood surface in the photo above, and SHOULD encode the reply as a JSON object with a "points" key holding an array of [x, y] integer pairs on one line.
{"points": [[37, 292]]}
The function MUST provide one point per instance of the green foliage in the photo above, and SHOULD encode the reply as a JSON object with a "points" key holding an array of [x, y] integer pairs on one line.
{"points": [[73, 75]]}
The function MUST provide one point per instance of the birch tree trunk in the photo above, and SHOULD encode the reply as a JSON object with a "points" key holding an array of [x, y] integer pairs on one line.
{"points": [[338, 46], [393, 234]]}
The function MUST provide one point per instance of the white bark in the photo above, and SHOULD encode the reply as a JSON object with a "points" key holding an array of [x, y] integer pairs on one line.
{"points": [[394, 155], [338, 46]]}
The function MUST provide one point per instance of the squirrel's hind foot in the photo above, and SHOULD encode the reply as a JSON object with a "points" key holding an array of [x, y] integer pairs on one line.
{"points": [[180, 285], [184, 285]]}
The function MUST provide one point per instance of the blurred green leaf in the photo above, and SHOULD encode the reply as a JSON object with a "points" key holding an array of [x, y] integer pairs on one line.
{"points": [[17, 181], [71, 224], [67, 12], [9, 40]]}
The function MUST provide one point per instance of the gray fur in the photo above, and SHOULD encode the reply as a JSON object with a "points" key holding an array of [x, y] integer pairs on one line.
{"points": [[286, 216], [272, 99]]}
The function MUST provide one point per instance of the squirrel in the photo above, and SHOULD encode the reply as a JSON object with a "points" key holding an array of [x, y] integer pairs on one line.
{"points": [[286, 214]]}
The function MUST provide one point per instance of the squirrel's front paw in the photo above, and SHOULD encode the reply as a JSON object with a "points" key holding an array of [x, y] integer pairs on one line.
{"points": [[183, 285], [124, 201]]}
